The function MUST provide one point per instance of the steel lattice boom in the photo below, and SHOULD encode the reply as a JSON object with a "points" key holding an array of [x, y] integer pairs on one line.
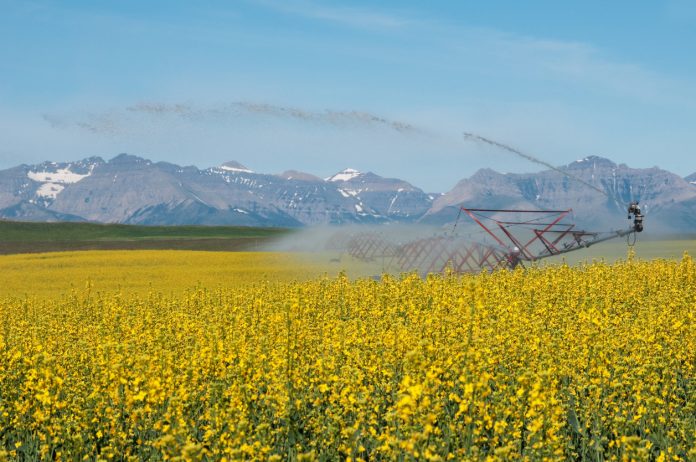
{"points": [[518, 236]]}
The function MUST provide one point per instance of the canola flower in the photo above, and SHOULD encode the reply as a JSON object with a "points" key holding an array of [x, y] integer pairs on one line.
{"points": [[49, 275], [589, 363]]}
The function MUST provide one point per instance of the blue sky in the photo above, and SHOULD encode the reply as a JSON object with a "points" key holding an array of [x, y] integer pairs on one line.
{"points": [[321, 85]]}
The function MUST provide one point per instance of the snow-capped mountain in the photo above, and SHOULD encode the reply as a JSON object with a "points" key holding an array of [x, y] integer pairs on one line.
{"points": [[381, 196], [29, 191], [130, 189]]}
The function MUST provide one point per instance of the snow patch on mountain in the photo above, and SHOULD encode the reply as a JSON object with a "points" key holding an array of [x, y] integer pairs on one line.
{"points": [[49, 190], [54, 181], [393, 200], [348, 192], [344, 175], [233, 166], [232, 169], [61, 175]]}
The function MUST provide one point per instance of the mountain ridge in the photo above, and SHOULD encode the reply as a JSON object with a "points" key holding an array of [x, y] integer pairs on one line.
{"points": [[662, 194], [134, 190]]}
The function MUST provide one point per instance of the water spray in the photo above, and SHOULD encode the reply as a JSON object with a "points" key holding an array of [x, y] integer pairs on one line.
{"points": [[475, 137]]}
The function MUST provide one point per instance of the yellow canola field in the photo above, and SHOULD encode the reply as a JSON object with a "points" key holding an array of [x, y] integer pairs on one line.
{"points": [[588, 363], [143, 271]]}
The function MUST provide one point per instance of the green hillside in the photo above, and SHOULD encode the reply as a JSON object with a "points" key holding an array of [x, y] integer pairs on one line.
{"points": [[18, 237]]}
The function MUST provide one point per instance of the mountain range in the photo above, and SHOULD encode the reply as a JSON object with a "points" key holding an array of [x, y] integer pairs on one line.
{"points": [[133, 190]]}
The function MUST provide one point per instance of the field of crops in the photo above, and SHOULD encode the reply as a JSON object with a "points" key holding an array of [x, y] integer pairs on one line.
{"points": [[596, 362], [34, 237], [50, 275]]}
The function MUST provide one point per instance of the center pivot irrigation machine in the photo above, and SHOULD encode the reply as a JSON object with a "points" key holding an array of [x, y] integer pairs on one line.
{"points": [[515, 237], [511, 237]]}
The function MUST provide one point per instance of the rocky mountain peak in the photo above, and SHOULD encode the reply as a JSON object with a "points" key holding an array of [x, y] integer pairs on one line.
{"points": [[297, 175], [482, 177], [591, 162], [486, 173], [691, 178], [128, 159]]}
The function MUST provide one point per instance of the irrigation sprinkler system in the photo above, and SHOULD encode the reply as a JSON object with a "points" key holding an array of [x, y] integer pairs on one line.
{"points": [[518, 236]]}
